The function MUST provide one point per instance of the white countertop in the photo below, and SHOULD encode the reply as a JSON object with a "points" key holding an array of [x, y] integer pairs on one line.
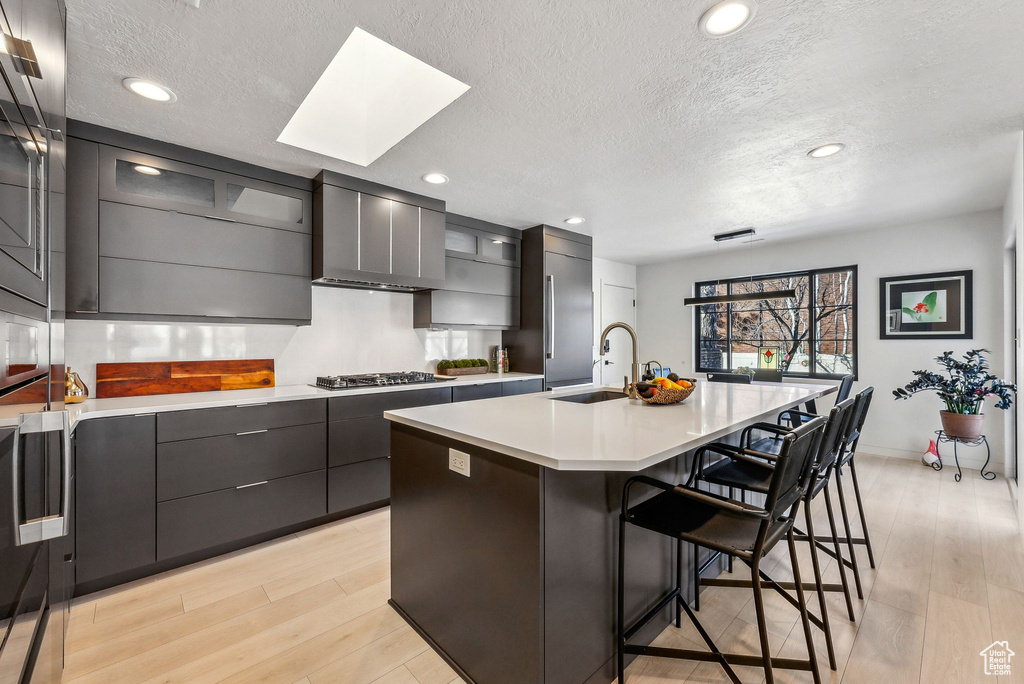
{"points": [[127, 406], [621, 434]]}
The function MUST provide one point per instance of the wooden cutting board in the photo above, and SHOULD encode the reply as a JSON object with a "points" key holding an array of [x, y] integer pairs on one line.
{"points": [[177, 377]]}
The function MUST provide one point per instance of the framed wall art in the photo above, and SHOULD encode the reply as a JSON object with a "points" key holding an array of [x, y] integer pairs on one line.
{"points": [[937, 306]]}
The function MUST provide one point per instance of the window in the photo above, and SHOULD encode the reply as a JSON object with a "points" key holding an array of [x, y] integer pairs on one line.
{"points": [[816, 332]]}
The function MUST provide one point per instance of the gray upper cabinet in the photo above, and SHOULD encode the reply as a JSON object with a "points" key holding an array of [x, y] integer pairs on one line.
{"points": [[154, 238], [482, 275], [369, 235], [146, 180]]}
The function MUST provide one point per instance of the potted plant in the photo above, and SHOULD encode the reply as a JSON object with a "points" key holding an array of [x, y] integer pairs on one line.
{"points": [[963, 389], [462, 367]]}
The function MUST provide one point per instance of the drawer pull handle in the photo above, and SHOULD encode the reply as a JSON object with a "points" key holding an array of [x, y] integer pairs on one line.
{"points": [[254, 484], [250, 432], [248, 405]]}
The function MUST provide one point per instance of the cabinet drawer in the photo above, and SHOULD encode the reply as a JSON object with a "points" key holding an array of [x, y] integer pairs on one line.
{"points": [[358, 484], [340, 408], [477, 392], [514, 387], [230, 420], [358, 439], [140, 233], [204, 521], [204, 465]]}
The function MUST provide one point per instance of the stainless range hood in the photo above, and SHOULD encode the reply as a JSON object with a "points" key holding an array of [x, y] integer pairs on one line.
{"points": [[370, 236], [368, 285]]}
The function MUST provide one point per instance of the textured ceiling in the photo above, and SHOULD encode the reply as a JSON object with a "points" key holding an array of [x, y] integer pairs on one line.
{"points": [[621, 112]]}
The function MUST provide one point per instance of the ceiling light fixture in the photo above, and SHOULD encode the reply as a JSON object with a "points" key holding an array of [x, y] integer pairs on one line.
{"points": [[826, 150], [147, 170], [734, 297], [727, 17], [736, 234], [149, 90], [574, 220], [435, 178]]}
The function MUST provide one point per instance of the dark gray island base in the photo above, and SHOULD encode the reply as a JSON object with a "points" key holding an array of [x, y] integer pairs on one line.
{"points": [[510, 573]]}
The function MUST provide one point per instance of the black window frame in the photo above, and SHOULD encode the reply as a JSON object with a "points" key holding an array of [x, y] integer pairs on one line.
{"points": [[811, 275]]}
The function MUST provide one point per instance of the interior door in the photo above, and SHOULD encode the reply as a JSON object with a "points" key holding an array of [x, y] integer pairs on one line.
{"points": [[569, 307], [618, 304]]}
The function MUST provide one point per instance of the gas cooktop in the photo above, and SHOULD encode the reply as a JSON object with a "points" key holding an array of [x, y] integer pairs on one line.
{"points": [[342, 382]]}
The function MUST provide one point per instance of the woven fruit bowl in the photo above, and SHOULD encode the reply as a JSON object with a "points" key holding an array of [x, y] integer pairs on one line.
{"points": [[670, 396]]}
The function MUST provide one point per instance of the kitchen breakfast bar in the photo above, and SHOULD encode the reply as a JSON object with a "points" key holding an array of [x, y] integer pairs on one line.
{"points": [[504, 515]]}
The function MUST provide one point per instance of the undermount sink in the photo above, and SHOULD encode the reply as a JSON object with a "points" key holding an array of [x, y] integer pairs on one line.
{"points": [[592, 397]]}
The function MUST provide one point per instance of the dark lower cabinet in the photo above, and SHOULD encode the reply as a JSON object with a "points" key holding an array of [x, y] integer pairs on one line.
{"points": [[472, 392], [209, 520], [115, 514], [358, 485], [515, 387], [358, 439], [197, 466]]}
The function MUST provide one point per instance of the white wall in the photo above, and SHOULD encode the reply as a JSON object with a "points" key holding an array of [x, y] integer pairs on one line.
{"points": [[353, 331], [1013, 235], [612, 273], [972, 241]]}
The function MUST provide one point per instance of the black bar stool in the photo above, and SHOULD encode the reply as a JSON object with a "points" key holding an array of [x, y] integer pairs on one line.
{"points": [[860, 416], [745, 531], [747, 469]]}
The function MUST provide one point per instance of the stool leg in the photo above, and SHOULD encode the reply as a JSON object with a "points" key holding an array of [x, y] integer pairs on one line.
{"points": [[849, 533], [860, 510], [821, 592], [812, 656], [679, 581], [620, 596], [762, 622], [696, 577], [732, 495], [839, 553]]}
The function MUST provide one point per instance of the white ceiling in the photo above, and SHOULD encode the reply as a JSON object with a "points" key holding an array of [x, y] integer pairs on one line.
{"points": [[621, 112]]}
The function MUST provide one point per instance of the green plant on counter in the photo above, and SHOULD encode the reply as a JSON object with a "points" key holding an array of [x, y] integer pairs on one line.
{"points": [[445, 364]]}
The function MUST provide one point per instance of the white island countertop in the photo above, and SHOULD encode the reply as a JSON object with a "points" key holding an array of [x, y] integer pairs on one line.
{"points": [[620, 435], [127, 406]]}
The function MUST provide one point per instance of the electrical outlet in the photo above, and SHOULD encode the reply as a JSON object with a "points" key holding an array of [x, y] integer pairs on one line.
{"points": [[458, 461]]}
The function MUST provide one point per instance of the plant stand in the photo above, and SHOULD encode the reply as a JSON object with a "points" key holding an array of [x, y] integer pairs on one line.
{"points": [[942, 437]]}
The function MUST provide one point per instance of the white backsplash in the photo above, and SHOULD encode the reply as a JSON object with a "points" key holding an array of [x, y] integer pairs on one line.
{"points": [[353, 331]]}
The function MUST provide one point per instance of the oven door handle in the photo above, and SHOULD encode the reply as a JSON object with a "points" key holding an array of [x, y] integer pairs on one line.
{"points": [[50, 526]]}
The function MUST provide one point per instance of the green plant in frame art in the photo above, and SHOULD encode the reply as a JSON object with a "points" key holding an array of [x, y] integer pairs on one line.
{"points": [[924, 307]]}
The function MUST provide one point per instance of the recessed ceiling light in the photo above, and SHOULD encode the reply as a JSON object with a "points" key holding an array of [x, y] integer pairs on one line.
{"points": [[435, 178], [575, 220], [727, 17], [148, 89], [368, 99], [147, 170], [826, 150]]}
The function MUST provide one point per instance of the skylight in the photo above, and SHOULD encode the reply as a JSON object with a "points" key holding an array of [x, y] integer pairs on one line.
{"points": [[370, 97]]}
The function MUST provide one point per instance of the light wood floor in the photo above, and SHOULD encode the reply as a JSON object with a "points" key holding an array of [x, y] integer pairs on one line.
{"points": [[311, 607]]}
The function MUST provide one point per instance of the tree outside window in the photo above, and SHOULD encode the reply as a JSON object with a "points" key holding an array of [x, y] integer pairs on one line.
{"points": [[815, 331]]}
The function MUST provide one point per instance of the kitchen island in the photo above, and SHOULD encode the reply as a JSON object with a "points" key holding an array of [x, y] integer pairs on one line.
{"points": [[504, 515]]}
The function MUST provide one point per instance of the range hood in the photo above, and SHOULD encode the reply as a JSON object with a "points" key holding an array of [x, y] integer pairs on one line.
{"points": [[368, 285], [372, 237]]}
